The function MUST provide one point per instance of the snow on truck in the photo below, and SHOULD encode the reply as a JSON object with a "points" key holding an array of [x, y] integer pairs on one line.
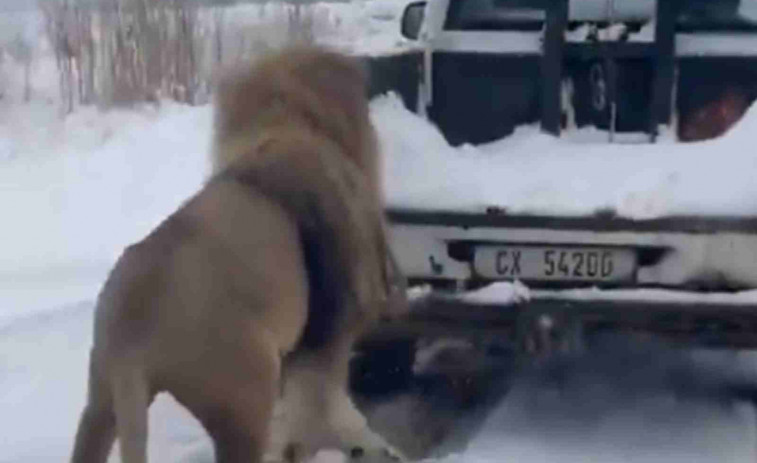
{"points": [[593, 169]]}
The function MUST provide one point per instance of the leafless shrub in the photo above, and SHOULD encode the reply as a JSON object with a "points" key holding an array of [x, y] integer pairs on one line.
{"points": [[300, 23], [2, 74], [121, 52], [22, 52], [59, 26]]}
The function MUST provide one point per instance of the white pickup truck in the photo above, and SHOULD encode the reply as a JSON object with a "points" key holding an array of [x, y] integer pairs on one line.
{"points": [[632, 70]]}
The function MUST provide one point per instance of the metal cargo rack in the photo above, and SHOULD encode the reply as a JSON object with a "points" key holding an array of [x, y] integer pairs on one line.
{"points": [[514, 72]]}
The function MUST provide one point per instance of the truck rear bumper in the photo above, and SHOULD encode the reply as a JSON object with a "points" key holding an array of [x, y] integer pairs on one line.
{"points": [[721, 320], [676, 252]]}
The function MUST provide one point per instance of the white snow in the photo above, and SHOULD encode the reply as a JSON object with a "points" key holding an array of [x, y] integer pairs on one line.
{"points": [[504, 293], [594, 10], [534, 173], [415, 293], [736, 44], [74, 192], [369, 27], [365, 27]]}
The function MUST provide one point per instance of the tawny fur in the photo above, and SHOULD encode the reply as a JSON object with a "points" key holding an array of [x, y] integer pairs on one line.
{"points": [[276, 266], [319, 92]]}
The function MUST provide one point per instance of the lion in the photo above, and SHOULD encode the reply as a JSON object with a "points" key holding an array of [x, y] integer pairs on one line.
{"points": [[257, 286]]}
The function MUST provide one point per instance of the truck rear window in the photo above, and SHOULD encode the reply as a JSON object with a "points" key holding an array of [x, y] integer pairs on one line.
{"points": [[528, 15], [480, 15]]}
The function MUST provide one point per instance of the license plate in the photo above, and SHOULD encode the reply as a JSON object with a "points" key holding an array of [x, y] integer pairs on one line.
{"points": [[555, 263]]}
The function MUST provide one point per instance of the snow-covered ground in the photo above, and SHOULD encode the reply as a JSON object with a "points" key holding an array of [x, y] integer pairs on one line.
{"points": [[43, 372], [75, 191]]}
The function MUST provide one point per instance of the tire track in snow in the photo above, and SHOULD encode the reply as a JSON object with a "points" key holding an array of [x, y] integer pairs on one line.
{"points": [[624, 402]]}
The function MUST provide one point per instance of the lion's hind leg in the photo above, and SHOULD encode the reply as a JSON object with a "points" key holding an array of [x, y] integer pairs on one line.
{"points": [[131, 399], [356, 438], [232, 393], [97, 425], [318, 414]]}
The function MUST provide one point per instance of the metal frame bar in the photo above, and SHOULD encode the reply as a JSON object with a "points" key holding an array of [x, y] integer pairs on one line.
{"points": [[671, 224], [690, 323], [663, 80], [551, 66], [711, 44]]}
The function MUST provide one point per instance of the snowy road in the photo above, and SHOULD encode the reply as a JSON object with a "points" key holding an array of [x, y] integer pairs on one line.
{"points": [[42, 390], [608, 411], [620, 409]]}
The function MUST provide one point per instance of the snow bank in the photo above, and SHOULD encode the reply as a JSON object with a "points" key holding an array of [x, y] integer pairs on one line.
{"points": [[503, 292], [534, 173], [367, 27], [506, 293]]}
